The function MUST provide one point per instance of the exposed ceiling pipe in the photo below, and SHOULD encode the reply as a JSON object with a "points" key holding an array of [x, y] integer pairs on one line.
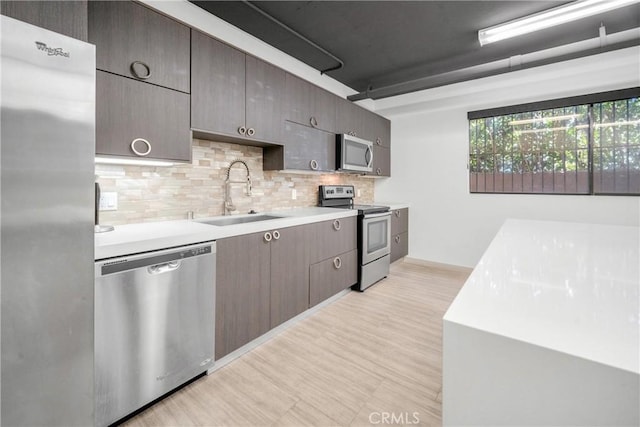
{"points": [[298, 35], [603, 42]]}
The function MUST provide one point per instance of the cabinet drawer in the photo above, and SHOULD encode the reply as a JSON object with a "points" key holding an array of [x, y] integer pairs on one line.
{"points": [[331, 276], [399, 221], [127, 109], [136, 42], [334, 237], [399, 246]]}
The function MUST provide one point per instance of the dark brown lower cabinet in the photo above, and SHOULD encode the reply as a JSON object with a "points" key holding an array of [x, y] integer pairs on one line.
{"points": [[399, 246], [263, 279], [242, 291], [331, 276], [399, 233], [334, 237], [127, 110], [290, 272]]}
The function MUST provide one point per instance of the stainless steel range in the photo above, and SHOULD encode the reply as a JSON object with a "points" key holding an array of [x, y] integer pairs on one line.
{"points": [[374, 234]]}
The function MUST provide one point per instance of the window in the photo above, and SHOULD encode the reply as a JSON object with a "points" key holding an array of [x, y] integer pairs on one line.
{"points": [[576, 148]]}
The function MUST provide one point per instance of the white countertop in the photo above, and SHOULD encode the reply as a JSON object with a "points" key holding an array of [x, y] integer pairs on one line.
{"points": [[136, 238], [392, 205], [569, 287]]}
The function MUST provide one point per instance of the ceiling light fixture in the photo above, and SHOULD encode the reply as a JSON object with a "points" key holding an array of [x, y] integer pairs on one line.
{"points": [[549, 18]]}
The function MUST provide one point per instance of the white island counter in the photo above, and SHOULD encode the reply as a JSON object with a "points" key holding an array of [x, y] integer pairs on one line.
{"points": [[546, 329]]}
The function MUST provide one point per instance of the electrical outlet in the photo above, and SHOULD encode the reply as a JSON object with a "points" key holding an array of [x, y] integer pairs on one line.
{"points": [[294, 194], [109, 201]]}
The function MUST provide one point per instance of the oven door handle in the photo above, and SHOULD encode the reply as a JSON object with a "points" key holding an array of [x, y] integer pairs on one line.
{"points": [[378, 215]]}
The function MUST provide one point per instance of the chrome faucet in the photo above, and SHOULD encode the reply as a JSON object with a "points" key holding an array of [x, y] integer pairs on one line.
{"points": [[228, 203]]}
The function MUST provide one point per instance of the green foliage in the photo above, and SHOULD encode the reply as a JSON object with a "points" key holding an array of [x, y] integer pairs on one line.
{"points": [[557, 140]]}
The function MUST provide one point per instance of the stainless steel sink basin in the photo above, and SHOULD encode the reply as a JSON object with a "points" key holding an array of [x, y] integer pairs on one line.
{"points": [[233, 220]]}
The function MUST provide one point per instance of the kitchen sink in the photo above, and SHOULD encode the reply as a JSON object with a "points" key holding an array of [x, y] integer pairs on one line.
{"points": [[239, 219]]}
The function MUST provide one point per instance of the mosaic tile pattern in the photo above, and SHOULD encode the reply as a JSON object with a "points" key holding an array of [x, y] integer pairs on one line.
{"points": [[168, 193]]}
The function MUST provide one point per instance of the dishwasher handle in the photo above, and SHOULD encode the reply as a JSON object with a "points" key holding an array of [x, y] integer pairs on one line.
{"points": [[164, 267]]}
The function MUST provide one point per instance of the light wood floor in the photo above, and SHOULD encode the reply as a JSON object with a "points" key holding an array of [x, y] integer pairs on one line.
{"points": [[365, 355]]}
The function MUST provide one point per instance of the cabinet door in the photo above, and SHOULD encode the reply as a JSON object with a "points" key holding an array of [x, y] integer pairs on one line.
{"points": [[334, 237], [304, 148], [331, 276], [136, 42], [399, 246], [218, 86], [242, 291], [309, 105], [264, 100], [350, 118], [290, 273], [64, 17], [399, 221], [127, 109], [381, 130], [381, 161]]}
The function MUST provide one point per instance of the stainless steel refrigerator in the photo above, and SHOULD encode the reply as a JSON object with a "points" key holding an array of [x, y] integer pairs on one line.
{"points": [[47, 151]]}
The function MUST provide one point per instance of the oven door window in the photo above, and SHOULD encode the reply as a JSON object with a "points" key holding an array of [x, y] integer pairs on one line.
{"points": [[375, 238]]}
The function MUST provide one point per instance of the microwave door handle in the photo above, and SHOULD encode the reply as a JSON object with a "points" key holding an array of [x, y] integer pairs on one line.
{"points": [[370, 151]]}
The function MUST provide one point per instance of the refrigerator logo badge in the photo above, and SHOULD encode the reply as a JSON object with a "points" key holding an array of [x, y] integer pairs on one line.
{"points": [[57, 51]]}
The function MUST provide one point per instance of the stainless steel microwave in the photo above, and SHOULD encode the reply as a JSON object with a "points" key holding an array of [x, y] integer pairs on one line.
{"points": [[353, 154]]}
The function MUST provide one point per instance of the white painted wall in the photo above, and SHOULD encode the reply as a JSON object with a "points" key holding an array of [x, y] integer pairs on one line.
{"points": [[430, 148]]}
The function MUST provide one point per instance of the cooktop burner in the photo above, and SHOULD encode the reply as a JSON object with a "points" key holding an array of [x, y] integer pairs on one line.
{"points": [[341, 196]]}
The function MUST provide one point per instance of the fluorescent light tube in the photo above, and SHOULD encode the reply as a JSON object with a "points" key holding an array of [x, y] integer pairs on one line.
{"points": [[549, 18], [131, 162]]}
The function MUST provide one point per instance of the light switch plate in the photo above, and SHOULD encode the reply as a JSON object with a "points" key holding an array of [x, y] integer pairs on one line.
{"points": [[109, 201], [294, 194]]}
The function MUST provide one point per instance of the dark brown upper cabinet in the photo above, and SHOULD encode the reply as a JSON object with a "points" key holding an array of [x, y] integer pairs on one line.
{"points": [[380, 129], [235, 97], [136, 42], [304, 148], [309, 105], [350, 118], [381, 161], [64, 17], [135, 119]]}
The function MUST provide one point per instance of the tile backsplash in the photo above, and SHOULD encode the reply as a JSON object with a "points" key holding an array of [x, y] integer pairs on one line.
{"points": [[166, 193]]}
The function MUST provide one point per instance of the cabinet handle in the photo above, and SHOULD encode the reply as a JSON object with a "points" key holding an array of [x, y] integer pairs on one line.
{"points": [[397, 213], [336, 225], [337, 263], [313, 122], [251, 132], [397, 239], [141, 153], [267, 237], [135, 72], [276, 235], [313, 164], [242, 130], [378, 171]]}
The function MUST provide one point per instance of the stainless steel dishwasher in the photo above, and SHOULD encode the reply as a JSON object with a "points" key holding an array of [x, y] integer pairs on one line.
{"points": [[154, 326]]}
